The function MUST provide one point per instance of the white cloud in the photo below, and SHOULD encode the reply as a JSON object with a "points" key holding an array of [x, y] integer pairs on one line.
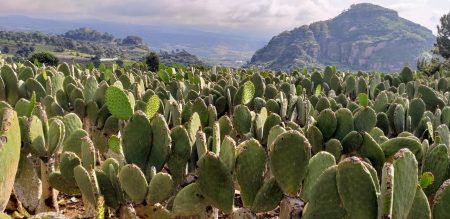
{"points": [[270, 16]]}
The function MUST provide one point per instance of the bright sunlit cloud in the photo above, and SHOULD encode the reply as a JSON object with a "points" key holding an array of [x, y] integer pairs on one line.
{"points": [[269, 16]]}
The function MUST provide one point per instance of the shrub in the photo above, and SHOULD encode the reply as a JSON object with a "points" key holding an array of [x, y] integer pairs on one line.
{"points": [[152, 61], [44, 58]]}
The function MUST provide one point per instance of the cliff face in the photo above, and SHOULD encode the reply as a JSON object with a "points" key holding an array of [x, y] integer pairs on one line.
{"points": [[364, 37]]}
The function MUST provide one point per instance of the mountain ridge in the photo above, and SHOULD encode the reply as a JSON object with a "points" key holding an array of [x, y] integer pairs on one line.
{"points": [[364, 37]]}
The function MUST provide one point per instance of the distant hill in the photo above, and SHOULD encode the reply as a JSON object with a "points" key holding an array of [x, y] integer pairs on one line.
{"points": [[89, 34], [364, 37], [179, 57], [82, 44], [218, 48]]}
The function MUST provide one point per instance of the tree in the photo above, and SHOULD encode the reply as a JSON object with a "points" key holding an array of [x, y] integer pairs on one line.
{"points": [[443, 38], [5, 49], [44, 58], [96, 61], [152, 61]]}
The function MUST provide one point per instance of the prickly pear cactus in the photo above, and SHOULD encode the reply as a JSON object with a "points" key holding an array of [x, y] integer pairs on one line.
{"points": [[119, 103], [324, 201], [180, 153], [327, 123], [242, 119], [190, 201], [289, 161], [133, 182], [137, 140], [359, 199], [250, 166], [215, 182], [316, 166], [9, 153], [442, 201], [365, 119], [159, 188], [405, 183]]}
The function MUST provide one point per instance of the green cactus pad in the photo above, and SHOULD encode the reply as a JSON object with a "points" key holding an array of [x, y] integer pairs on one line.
{"points": [[344, 119], [201, 109], [245, 93], [71, 123], [250, 166], [215, 182], [325, 201], [9, 153], [228, 153], [180, 153], [360, 199], [189, 201], [242, 119], [85, 182], [107, 190], [56, 133], [436, 162], [316, 139], [429, 97], [119, 103], [159, 188], [11, 84], [268, 197], [317, 165], [275, 131], [391, 146], [36, 137], [72, 143], [370, 149], [271, 121], [405, 182], [327, 123], [259, 85], [334, 147], [193, 126], [406, 75], [137, 140], [133, 182], [289, 160], [161, 143], [420, 208], [416, 110], [365, 119], [152, 106], [352, 142], [442, 201], [88, 153], [399, 119]]}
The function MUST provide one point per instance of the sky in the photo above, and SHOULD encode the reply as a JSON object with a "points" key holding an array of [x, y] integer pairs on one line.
{"points": [[266, 16]]}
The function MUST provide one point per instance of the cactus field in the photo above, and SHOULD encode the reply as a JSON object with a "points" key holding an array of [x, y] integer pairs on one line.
{"points": [[223, 143]]}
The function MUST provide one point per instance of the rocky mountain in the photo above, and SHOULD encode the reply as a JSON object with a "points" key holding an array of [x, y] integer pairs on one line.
{"points": [[364, 37]]}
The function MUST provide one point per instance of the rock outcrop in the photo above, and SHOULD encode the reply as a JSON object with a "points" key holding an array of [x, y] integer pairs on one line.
{"points": [[364, 37]]}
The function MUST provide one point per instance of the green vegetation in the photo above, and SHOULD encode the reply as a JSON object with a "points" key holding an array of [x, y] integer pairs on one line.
{"points": [[443, 38], [44, 58], [142, 140], [85, 45], [179, 142], [152, 61]]}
